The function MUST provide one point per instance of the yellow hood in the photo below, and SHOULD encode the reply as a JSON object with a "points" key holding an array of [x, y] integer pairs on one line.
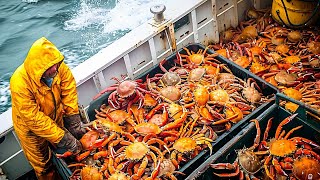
{"points": [[42, 55]]}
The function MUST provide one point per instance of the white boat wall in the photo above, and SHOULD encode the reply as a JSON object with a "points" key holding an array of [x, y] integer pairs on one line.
{"points": [[185, 21]]}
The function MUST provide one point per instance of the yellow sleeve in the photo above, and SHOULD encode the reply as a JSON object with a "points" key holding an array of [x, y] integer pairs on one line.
{"points": [[39, 123], [69, 96]]}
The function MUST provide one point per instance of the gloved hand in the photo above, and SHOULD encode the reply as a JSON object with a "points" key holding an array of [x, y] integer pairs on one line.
{"points": [[73, 124], [70, 143]]}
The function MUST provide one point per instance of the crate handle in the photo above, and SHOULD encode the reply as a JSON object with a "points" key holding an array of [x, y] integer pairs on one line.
{"points": [[304, 106]]}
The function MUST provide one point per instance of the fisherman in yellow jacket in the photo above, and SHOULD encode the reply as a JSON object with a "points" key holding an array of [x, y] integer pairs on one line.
{"points": [[45, 107]]}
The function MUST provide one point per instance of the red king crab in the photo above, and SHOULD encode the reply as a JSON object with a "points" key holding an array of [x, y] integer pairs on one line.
{"points": [[125, 93]]}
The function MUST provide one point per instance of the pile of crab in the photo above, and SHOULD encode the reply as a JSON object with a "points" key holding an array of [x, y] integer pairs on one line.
{"points": [[148, 129], [284, 57], [280, 157]]}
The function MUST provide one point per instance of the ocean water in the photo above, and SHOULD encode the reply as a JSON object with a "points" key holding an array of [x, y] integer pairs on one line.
{"points": [[79, 28]]}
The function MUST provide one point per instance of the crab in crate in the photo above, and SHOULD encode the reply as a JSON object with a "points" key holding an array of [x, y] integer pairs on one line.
{"points": [[281, 150], [117, 116], [247, 163], [168, 93], [170, 77], [125, 93], [88, 172], [281, 78], [89, 141], [197, 58], [135, 152], [251, 91], [188, 144], [305, 92]]}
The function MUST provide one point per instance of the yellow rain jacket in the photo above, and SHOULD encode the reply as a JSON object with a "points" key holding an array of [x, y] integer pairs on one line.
{"points": [[37, 109]]}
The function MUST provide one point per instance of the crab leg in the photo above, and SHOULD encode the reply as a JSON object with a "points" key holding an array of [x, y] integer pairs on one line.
{"points": [[173, 159], [291, 131], [80, 157], [224, 166], [235, 166], [257, 139], [307, 152], [100, 154], [278, 168], [265, 165], [301, 140], [285, 121], [176, 123]]}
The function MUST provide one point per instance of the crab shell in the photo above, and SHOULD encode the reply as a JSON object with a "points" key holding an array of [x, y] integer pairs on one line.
{"points": [[306, 168], [225, 77], [185, 145], [282, 147], [242, 61], [292, 107], [196, 74], [282, 48], [222, 52], [314, 47], [170, 78], [171, 92], [136, 151], [119, 116], [126, 88], [201, 95], [293, 93], [219, 95], [249, 161], [283, 78], [292, 59], [110, 126], [196, 58], [147, 128], [166, 166], [251, 94], [210, 70], [257, 68], [90, 173]]}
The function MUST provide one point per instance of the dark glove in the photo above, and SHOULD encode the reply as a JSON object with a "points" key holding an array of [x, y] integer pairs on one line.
{"points": [[70, 143], [73, 124]]}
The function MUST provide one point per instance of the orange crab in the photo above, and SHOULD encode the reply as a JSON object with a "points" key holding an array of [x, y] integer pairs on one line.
{"points": [[115, 115], [280, 147], [188, 144], [88, 172], [135, 151], [306, 168], [199, 57], [305, 92]]}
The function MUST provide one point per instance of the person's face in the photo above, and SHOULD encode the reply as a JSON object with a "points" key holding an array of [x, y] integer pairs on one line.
{"points": [[52, 71]]}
